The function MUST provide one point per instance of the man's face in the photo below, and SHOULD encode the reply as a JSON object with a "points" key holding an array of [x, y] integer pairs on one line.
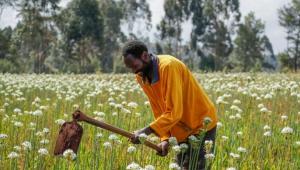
{"points": [[137, 65]]}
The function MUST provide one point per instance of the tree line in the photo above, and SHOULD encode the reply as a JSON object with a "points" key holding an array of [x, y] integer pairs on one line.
{"points": [[86, 36]]}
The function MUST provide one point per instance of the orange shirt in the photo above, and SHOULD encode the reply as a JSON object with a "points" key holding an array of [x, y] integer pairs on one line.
{"points": [[177, 100]]}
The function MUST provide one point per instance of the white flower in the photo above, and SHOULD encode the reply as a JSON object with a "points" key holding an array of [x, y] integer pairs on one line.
{"points": [[147, 103], [31, 124], [26, 145], [209, 156], [154, 139], [142, 137], [133, 166], [208, 144], [236, 108], [17, 110], [174, 166], [75, 106], [99, 135], [268, 133], [261, 106], [237, 101], [266, 127], [3, 136], [118, 106], [69, 154], [268, 96], [207, 121], [131, 149], [126, 111], [37, 100], [232, 117], [224, 138], [184, 147], [241, 149], [239, 133], [13, 155], [18, 124], [132, 105], [297, 143], [39, 133], [231, 168], [220, 100], [37, 113], [46, 130], [176, 148], [238, 116], [284, 117], [43, 151], [107, 145], [287, 130], [219, 124], [100, 114], [234, 155], [60, 121], [17, 148], [44, 141], [149, 167], [113, 137], [264, 110], [173, 141]]}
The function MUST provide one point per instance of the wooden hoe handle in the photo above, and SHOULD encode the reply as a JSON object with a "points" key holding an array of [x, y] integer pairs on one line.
{"points": [[78, 115]]}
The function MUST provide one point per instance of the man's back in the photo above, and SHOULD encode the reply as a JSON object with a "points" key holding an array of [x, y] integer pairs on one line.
{"points": [[178, 101]]}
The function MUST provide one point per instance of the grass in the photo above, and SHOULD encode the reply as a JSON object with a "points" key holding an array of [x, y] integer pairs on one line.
{"points": [[246, 103]]}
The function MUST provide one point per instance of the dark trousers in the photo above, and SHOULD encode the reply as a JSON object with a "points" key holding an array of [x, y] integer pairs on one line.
{"points": [[196, 153]]}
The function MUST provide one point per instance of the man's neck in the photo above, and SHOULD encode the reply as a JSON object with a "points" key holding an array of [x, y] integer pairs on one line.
{"points": [[147, 76]]}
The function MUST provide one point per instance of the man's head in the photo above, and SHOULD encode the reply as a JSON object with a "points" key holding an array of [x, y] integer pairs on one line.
{"points": [[136, 56]]}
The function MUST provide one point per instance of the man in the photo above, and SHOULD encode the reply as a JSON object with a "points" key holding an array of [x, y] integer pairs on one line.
{"points": [[178, 102]]}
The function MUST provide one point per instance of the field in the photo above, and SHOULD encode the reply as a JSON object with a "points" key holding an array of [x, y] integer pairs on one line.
{"points": [[259, 121]]}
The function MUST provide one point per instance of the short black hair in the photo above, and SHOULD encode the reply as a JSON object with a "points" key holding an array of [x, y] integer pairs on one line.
{"points": [[135, 48]]}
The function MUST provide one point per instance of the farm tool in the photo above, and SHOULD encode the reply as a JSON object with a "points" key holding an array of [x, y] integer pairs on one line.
{"points": [[70, 133]]}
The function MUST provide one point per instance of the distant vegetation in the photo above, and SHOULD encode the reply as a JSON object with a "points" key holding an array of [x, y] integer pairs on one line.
{"points": [[86, 36]]}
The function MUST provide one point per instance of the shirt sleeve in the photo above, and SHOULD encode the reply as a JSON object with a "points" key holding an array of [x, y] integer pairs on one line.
{"points": [[172, 84]]}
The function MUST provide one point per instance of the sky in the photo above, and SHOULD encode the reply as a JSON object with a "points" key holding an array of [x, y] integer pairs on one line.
{"points": [[266, 10]]}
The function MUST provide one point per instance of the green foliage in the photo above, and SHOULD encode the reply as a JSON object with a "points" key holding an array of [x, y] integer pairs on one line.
{"points": [[249, 40], [87, 35], [7, 66], [289, 19], [286, 63]]}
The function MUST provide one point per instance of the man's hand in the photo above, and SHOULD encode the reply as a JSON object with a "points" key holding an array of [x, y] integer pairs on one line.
{"points": [[135, 138], [79, 116], [164, 145]]}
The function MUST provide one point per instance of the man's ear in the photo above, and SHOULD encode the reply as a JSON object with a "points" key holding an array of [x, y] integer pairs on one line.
{"points": [[145, 56]]}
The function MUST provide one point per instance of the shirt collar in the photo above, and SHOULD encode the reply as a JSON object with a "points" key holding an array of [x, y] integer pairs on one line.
{"points": [[155, 75]]}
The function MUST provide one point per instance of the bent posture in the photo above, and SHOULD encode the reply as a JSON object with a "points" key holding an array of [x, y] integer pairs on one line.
{"points": [[178, 102]]}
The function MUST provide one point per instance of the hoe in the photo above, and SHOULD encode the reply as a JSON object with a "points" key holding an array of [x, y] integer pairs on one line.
{"points": [[70, 133]]}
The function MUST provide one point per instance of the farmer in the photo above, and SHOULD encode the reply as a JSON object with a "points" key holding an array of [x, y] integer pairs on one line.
{"points": [[178, 102]]}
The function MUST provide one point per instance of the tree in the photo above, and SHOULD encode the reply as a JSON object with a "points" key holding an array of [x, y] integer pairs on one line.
{"points": [[286, 63], [82, 36], [249, 42], [117, 13], [216, 38], [33, 34], [289, 18], [7, 62], [170, 26], [5, 36]]}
